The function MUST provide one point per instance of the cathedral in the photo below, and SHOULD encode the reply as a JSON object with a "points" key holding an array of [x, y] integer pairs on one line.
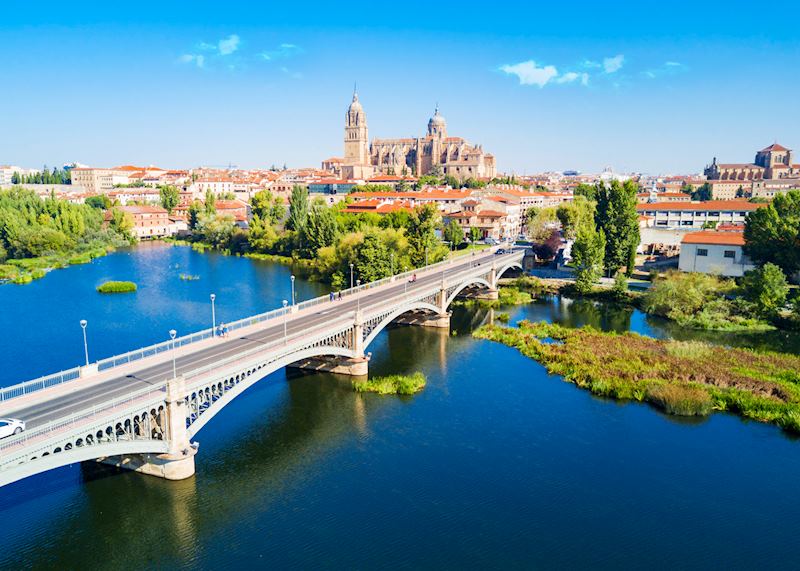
{"points": [[407, 157]]}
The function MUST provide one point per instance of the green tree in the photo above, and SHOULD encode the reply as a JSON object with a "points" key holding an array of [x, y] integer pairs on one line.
{"points": [[372, 259], [194, 212], [320, 229], [452, 181], [474, 234], [454, 234], [15, 178], [122, 223], [575, 215], [298, 208], [616, 217], [587, 256], [772, 233], [421, 234], [100, 201], [766, 287], [169, 196], [268, 207], [541, 222], [262, 235], [588, 191], [210, 204], [702, 192]]}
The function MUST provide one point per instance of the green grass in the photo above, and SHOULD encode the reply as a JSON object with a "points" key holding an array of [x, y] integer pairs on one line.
{"points": [[117, 287], [680, 378], [392, 384], [189, 277]]}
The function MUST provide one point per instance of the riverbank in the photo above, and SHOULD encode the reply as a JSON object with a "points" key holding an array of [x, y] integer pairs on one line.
{"points": [[683, 378], [25, 270]]}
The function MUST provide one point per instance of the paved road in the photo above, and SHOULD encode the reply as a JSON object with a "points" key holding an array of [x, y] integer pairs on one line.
{"points": [[64, 405]]}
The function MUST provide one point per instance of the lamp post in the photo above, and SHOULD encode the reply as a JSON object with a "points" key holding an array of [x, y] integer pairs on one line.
{"points": [[285, 313], [293, 290], [358, 296], [85, 346], [351, 276], [213, 316], [172, 334]]}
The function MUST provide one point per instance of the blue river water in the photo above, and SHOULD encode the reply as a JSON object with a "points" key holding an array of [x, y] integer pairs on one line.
{"points": [[496, 464]]}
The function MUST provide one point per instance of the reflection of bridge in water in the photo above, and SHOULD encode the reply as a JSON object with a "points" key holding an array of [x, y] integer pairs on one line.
{"points": [[135, 412]]}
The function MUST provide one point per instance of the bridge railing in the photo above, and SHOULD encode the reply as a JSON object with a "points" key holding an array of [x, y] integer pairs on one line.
{"points": [[43, 432], [28, 387]]}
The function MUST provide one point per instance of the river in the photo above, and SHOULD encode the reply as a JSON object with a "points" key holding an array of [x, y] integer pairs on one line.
{"points": [[495, 464]]}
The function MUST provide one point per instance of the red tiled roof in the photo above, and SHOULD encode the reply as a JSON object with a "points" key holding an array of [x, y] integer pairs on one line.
{"points": [[715, 238], [773, 147]]}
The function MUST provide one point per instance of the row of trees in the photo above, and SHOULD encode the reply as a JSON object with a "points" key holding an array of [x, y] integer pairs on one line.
{"points": [[31, 227], [55, 176]]}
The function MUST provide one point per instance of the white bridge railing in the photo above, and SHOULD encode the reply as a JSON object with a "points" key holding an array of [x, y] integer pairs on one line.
{"points": [[48, 381]]}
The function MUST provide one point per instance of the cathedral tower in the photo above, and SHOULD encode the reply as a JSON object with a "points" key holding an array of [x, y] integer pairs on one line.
{"points": [[356, 138]]}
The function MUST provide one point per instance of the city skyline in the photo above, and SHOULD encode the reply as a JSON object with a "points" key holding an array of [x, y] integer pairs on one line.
{"points": [[635, 89]]}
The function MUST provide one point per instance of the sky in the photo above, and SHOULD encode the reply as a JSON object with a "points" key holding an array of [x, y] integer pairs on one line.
{"points": [[655, 87]]}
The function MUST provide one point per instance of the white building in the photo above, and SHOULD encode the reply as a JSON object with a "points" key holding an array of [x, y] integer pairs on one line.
{"points": [[714, 252], [694, 215]]}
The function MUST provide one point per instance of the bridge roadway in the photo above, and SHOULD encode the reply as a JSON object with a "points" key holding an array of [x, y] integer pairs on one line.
{"points": [[53, 404]]}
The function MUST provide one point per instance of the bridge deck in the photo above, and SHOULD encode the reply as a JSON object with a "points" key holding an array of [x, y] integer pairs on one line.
{"points": [[62, 401]]}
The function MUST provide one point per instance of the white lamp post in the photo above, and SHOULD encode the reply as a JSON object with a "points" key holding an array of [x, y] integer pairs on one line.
{"points": [[293, 302], [285, 313], [213, 316], [85, 346], [172, 334], [351, 276]]}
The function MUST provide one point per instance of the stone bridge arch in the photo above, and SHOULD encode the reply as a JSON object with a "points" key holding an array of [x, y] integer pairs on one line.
{"points": [[375, 325]]}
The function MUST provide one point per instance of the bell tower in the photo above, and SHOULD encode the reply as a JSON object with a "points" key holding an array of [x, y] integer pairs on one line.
{"points": [[356, 136]]}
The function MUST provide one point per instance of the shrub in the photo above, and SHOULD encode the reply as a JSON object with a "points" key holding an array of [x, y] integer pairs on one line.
{"points": [[392, 385], [117, 287], [503, 317], [681, 400]]}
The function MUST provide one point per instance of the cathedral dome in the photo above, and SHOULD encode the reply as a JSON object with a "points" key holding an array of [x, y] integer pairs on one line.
{"points": [[356, 104], [437, 119]]}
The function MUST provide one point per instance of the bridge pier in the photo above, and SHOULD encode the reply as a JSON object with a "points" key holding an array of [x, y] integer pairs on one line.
{"points": [[178, 462], [353, 367], [422, 319]]}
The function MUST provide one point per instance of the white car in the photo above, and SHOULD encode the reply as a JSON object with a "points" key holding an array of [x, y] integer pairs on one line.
{"points": [[10, 426]]}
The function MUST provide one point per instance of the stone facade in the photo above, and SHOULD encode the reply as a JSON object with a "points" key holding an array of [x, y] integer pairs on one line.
{"points": [[415, 156], [772, 162]]}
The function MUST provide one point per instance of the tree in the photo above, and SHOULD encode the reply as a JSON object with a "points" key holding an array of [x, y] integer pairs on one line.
{"points": [[372, 259], [766, 287], [454, 234], [15, 178], [772, 233], [122, 223], [575, 215], [588, 191], [474, 234], [452, 181], [210, 203], [616, 217], [320, 229], [261, 235], [101, 201], [268, 207], [298, 208], [702, 193], [541, 222], [548, 248], [169, 197], [620, 288], [421, 234], [195, 209], [587, 256]]}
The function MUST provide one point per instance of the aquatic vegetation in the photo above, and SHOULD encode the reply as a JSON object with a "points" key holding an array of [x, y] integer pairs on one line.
{"points": [[116, 287], [189, 277], [681, 378], [392, 384]]}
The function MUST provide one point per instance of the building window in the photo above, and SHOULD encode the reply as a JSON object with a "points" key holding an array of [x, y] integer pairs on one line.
{"points": [[730, 254], [702, 252]]}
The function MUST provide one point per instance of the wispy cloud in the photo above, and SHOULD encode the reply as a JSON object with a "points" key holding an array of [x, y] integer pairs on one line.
{"points": [[283, 51], [227, 46], [667, 68], [531, 73], [613, 64], [197, 59]]}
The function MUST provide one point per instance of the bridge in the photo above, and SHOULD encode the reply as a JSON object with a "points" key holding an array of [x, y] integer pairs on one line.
{"points": [[142, 410]]}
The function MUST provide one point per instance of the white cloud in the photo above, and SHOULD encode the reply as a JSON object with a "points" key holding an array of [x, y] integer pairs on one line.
{"points": [[228, 45], [529, 73], [590, 64], [572, 76], [613, 64], [667, 68], [197, 59], [283, 51]]}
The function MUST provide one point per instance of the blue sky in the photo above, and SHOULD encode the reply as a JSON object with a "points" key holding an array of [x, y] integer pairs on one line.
{"points": [[657, 87]]}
